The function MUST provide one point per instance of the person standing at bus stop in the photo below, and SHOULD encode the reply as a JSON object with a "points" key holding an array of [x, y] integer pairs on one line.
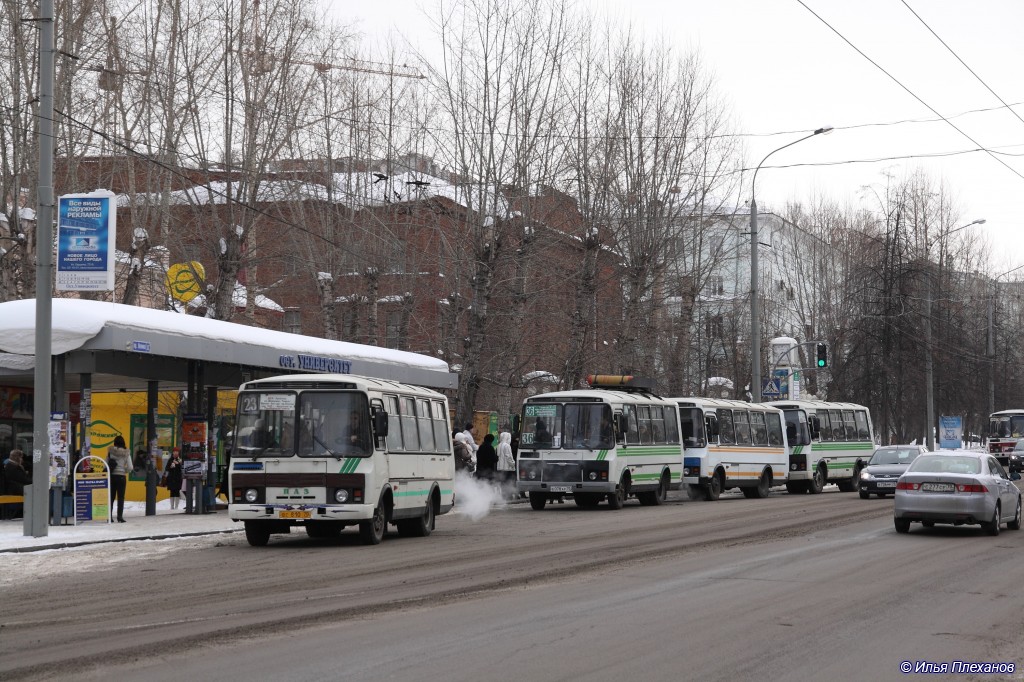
{"points": [[173, 472], [120, 461]]}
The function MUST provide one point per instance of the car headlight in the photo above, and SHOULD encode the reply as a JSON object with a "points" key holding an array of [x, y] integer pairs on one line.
{"points": [[341, 495], [865, 476], [251, 495]]}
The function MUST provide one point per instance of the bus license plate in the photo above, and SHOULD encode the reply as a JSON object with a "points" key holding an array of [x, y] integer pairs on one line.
{"points": [[295, 515], [561, 488]]}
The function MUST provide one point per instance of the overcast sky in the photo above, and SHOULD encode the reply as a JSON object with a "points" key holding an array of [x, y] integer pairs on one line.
{"points": [[786, 72]]}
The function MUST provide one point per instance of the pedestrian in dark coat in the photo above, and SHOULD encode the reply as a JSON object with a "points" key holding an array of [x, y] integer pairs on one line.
{"points": [[486, 459], [174, 478], [15, 480]]}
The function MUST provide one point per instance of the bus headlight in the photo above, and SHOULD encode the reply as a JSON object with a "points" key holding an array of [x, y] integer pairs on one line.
{"points": [[792, 467], [341, 495], [593, 475], [533, 474], [251, 495]]}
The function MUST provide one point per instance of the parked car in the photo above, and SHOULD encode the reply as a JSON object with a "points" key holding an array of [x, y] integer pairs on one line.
{"points": [[885, 467], [957, 487], [1016, 459]]}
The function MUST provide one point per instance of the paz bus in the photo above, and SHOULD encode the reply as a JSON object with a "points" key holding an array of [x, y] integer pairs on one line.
{"points": [[842, 440], [1005, 428], [732, 444], [324, 451], [613, 441]]}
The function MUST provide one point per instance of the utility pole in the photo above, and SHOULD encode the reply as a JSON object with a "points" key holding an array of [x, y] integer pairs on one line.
{"points": [[36, 517]]}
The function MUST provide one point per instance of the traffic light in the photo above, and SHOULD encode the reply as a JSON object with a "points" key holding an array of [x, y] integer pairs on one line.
{"points": [[822, 355]]}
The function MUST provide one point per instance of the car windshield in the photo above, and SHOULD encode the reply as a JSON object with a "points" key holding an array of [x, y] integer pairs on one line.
{"points": [[894, 455], [946, 464]]}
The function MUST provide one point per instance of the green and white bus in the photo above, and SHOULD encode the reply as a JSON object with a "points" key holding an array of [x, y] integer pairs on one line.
{"points": [[842, 441], [614, 441], [732, 444], [326, 451]]}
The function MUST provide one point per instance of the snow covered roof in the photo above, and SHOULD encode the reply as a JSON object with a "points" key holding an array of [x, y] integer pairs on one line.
{"points": [[133, 334]]}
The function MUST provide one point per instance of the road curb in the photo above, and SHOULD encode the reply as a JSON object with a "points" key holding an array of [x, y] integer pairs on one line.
{"points": [[66, 545]]}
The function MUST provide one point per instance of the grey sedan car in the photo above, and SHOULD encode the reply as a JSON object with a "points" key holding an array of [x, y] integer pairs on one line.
{"points": [[885, 467], [958, 487]]}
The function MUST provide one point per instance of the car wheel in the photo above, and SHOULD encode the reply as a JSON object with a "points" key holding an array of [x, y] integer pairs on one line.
{"points": [[992, 527], [902, 525], [1015, 524], [864, 494], [538, 500]]}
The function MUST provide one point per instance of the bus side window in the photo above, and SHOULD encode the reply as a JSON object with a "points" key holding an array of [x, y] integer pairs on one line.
{"points": [[851, 425], [711, 424], [774, 424], [671, 424], [632, 430], [758, 432], [658, 423], [741, 423], [824, 425], [838, 429], [725, 432], [863, 433]]}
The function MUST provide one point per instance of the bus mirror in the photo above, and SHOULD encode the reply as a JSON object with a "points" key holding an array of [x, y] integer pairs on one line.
{"points": [[380, 423]]}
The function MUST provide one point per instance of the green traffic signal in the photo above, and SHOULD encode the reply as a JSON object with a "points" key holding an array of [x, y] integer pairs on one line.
{"points": [[822, 354]]}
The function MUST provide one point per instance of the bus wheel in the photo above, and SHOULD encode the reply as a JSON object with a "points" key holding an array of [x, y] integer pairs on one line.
{"points": [[851, 486], [618, 498], [795, 487], [655, 497], [257, 533], [418, 528], [372, 532], [538, 500], [713, 490], [815, 485], [763, 484], [695, 492]]}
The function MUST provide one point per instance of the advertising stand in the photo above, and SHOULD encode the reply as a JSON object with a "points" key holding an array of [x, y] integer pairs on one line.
{"points": [[92, 490], [193, 461], [59, 433]]}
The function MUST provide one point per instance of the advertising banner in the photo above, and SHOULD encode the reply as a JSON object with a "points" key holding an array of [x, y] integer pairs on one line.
{"points": [[951, 432], [86, 233], [59, 431]]}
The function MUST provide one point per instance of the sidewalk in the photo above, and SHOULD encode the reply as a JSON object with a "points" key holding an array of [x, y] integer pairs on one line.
{"points": [[165, 524]]}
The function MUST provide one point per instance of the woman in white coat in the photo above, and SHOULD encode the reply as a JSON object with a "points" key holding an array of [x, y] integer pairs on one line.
{"points": [[506, 465]]}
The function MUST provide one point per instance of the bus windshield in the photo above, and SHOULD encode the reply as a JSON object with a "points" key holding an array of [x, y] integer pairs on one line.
{"points": [[542, 426], [310, 424], [588, 426], [1010, 426]]}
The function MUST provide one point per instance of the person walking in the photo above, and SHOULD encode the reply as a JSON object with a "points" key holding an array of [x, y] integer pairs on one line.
{"points": [[173, 472], [506, 465], [486, 459], [463, 455], [120, 461], [471, 439]]}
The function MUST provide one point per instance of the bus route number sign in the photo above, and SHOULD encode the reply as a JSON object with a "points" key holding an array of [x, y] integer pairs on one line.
{"points": [[541, 411]]}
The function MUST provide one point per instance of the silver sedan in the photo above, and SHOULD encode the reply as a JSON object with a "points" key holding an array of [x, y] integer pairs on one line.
{"points": [[958, 487]]}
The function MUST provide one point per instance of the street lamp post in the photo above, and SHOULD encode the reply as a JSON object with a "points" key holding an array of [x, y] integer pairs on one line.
{"points": [[928, 362], [755, 318]]}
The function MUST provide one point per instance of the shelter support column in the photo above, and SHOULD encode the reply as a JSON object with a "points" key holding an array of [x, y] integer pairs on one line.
{"points": [[152, 412]]}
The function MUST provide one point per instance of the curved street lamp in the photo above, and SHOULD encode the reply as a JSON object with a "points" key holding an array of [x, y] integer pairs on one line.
{"points": [[755, 319]]}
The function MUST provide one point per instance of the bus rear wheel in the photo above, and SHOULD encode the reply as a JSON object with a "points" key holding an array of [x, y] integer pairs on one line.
{"points": [[257, 533], [538, 500], [656, 497], [851, 486], [419, 527]]}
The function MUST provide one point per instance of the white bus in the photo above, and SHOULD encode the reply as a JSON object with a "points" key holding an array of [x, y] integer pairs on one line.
{"points": [[842, 441], [1005, 428], [732, 444], [326, 451], [614, 441]]}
